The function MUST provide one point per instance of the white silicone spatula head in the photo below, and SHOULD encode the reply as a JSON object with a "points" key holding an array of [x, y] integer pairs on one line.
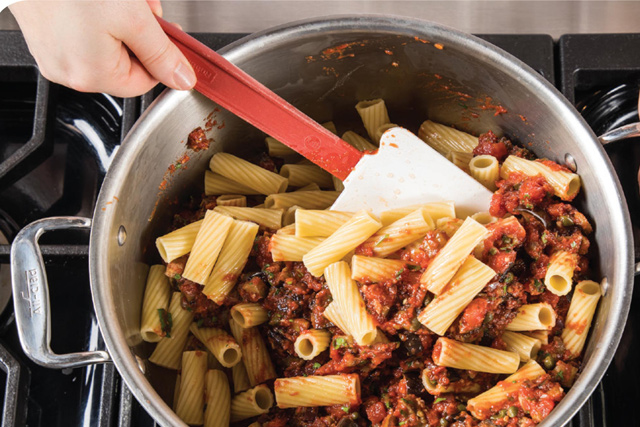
{"points": [[406, 171]]}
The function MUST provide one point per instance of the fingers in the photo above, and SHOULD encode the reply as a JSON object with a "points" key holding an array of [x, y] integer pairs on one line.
{"points": [[156, 7], [162, 59]]}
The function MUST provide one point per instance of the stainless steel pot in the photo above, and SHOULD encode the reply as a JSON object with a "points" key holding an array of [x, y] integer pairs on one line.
{"points": [[323, 67]]}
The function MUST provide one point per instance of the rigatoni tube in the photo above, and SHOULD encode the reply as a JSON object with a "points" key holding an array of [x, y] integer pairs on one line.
{"points": [[218, 399], [454, 354], [249, 314], [316, 390], [233, 257], [311, 343], [366, 269], [215, 184], [286, 247], [373, 114], [532, 317], [527, 347], [450, 258], [250, 403], [400, 233], [231, 200], [304, 199], [319, 223], [222, 345], [256, 356], [240, 378], [301, 175], [559, 277], [445, 138], [349, 303], [207, 246], [179, 242], [436, 210], [357, 141], [581, 310], [482, 405], [190, 406], [155, 303], [267, 218], [351, 234], [248, 174], [565, 184], [486, 170], [460, 386], [169, 350], [440, 313]]}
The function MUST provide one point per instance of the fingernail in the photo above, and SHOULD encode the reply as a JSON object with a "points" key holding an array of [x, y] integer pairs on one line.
{"points": [[184, 77]]}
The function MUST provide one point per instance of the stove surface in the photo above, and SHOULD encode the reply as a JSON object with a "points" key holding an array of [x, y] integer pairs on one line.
{"points": [[56, 146]]}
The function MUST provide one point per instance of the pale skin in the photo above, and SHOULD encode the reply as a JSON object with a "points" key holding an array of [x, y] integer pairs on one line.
{"points": [[115, 47]]}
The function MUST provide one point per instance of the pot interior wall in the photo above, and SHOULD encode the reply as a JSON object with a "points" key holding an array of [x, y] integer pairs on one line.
{"points": [[325, 74]]}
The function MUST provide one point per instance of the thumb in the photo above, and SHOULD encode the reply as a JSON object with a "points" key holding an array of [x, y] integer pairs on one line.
{"points": [[159, 55]]}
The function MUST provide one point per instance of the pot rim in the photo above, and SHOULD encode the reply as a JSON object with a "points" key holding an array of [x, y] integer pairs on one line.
{"points": [[102, 230]]}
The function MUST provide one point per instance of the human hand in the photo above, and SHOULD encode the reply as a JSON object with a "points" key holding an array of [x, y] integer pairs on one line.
{"points": [[116, 47]]}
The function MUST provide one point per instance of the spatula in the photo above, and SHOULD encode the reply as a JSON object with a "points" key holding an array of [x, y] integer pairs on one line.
{"points": [[402, 172]]}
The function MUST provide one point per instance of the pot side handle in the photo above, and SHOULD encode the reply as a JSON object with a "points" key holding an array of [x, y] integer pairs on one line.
{"points": [[31, 296], [628, 131]]}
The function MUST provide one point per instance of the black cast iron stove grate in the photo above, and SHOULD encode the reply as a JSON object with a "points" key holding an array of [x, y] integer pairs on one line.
{"points": [[51, 135]]}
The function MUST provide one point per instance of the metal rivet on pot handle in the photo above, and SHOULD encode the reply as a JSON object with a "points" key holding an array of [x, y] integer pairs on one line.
{"points": [[623, 132], [31, 296]]}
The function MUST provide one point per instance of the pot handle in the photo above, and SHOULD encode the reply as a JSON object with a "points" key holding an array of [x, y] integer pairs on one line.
{"points": [[628, 131], [31, 296]]}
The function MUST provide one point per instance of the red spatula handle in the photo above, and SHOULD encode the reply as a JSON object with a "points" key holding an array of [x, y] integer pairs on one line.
{"points": [[233, 89]]}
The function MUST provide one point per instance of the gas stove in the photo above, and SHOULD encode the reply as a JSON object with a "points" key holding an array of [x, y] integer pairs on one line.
{"points": [[56, 146]]}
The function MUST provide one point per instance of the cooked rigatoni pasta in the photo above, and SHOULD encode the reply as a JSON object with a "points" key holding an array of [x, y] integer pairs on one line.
{"points": [[337, 184], [317, 390], [222, 345], [289, 216], [349, 236], [436, 210], [541, 335], [399, 233], [565, 184], [251, 403], [349, 303], [373, 270], [207, 246], [333, 315], [301, 175], [248, 174], [232, 259], [358, 141], [240, 378], [256, 358], [486, 170], [382, 129], [461, 159], [484, 218], [304, 199], [289, 230], [179, 242], [373, 114], [311, 343], [215, 184], [286, 247], [310, 187], [444, 139], [276, 148], [481, 405], [532, 317], [526, 346], [218, 399], [450, 258], [435, 388], [190, 406], [154, 305], [267, 218], [440, 313], [231, 200], [169, 350], [581, 310], [559, 277], [176, 392], [319, 223], [248, 314], [449, 226], [330, 126], [458, 355]]}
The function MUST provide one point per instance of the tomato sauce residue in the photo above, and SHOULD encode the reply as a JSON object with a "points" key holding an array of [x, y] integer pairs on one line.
{"points": [[388, 52], [198, 140], [339, 52], [488, 105], [393, 144], [438, 46], [418, 39]]}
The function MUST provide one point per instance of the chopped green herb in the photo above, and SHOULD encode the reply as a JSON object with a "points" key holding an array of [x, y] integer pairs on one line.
{"points": [[506, 239], [461, 407], [509, 278], [385, 237], [493, 251], [538, 285], [414, 267], [543, 238], [387, 404], [399, 273], [504, 289], [339, 342], [560, 375], [177, 276], [200, 322], [401, 423], [345, 408], [574, 244], [166, 321], [266, 266], [316, 365], [440, 399]]}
